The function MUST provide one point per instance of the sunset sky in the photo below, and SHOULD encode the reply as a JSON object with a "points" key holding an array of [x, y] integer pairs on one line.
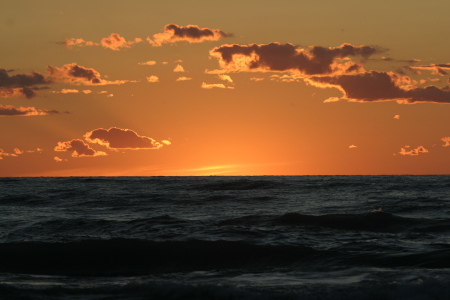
{"points": [[137, 88]]}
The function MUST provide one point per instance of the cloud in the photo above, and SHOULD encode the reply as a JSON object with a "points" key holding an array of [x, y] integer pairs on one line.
{"points": [[79, 148], [66, 91], [190, 33], [225, 78], [438, 69], [275, 57], [116, 42], [117, 138], [209, 86], [397, 117], [153, 78], [446, 140], [18, 152], [10, 111], [183, 78], [381, 86], [3, 153], [287, 78], [147, 63], [57, 159], [256, 79], [113, 42], [21, 84], [69, 43], [352, 146], [179, 68], [413, 152], [75, 74]]}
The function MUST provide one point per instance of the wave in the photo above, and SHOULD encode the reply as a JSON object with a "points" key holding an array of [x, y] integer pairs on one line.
{"points": [[426, 288], [130, 257], [372, 221], [376, 221], [134, 257], [240, 184]]}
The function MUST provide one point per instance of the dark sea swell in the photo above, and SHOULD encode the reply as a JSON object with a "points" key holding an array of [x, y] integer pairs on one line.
{"points": [[270, 237]]}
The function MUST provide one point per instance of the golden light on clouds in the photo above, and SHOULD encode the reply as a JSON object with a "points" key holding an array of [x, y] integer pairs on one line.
{"points": [[182, 94]]}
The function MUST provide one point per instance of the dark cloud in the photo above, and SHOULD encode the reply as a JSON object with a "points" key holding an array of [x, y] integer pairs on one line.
{"points": [[73, 73], [191, 33], [10, 111], [20, 84], [117, 138], [79, 148], [275, 57], [381, 86]]}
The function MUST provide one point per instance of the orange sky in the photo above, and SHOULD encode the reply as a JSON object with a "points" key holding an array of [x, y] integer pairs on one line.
{"points": [[136, 88]]}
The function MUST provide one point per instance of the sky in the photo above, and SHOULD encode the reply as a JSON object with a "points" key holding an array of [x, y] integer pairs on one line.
{"points": [[187, 88]]}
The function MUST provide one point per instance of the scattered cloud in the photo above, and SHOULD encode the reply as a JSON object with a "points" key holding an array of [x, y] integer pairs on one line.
{"points": [[152, 78], [183, 78], [190, 33], [21, 84], [352, 146], [147, 63], [87, 91], [118, 138], [275, 57], [116, 42], [256, 79], [179, 68], [381, 86], [57, 159], [397, 117], [79, 148], [446, 140], [11, 111], [75, 74], [413, 152]]}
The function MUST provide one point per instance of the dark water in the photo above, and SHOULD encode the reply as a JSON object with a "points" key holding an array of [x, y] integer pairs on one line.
{"points": [[275, 237]]}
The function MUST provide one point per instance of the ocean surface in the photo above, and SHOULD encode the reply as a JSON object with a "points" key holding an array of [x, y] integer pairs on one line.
{"points": [[265, 237]]}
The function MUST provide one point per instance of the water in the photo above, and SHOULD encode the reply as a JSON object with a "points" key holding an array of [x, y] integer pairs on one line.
{"points": [[270, 237]]}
